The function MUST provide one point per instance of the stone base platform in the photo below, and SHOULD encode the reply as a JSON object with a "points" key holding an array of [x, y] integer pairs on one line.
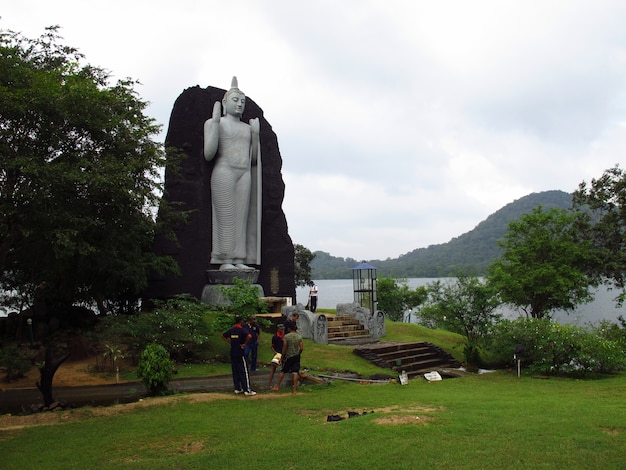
{"points": [[216, 276]]}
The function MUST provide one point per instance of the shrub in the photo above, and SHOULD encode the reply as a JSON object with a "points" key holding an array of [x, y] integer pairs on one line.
{"points": [[552, 348], [244, 299], [178, 323], [613, 331], [16, 362], [155, 368], [597, 354]]}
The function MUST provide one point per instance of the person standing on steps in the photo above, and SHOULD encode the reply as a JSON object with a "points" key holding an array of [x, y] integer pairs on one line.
{"points": [[238, 338], [292, 350], [313, 296], [252, 350], [277, 348]]}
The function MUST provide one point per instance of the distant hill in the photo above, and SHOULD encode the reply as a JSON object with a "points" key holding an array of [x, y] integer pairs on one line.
{"points": [[470, 253]]}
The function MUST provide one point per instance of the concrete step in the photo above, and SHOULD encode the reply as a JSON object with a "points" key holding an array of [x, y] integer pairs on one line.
{"points": [[409, 355], [352, 340], [341, 323], [425, 364], [414, 358], [344, 333], [346, 328], [389, 347]]}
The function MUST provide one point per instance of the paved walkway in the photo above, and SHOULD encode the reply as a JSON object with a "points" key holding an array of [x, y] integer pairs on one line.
{"points": [[21, 399]]}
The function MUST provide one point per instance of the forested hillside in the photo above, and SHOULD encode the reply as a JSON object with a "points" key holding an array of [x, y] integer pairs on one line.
{"points": [[470, 253]]}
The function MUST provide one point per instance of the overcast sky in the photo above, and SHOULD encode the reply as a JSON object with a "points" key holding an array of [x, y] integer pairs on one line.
{"points": [[401, 124]]}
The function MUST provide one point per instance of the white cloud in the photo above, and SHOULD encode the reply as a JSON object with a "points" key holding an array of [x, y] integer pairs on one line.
{"points": [[401, 124]]}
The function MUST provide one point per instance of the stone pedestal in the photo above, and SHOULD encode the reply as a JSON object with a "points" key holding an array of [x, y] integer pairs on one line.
{"points": [[216, 276]]}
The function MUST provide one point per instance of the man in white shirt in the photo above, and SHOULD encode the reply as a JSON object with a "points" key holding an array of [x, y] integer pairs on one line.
{"points": [[313, 296]]}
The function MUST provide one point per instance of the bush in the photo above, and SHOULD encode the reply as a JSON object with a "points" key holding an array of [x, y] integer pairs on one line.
{"points": [[244, 299], [613, 331], [15, 361], [597, 354], [155, 368], [552, 348], [179, 324]]}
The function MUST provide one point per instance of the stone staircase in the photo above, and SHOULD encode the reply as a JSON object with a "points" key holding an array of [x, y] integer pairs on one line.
{"points": [[347, 330], [414, 358]]}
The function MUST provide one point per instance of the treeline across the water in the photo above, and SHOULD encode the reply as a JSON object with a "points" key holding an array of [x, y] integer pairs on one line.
{"points": [[470, 253]]}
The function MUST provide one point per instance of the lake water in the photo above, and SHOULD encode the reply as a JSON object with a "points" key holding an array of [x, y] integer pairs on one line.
{"points": [[336, 291]]}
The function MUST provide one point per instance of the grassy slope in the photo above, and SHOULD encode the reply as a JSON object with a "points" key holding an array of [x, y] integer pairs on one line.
{"points": [[318, 357]]}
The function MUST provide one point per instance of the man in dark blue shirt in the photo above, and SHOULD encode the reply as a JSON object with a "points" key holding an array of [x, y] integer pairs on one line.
{"points": [[252, 350], [239, 337]]}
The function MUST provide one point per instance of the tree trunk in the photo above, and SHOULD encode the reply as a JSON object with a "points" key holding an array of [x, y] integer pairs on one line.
{"points": [[47, 371]]}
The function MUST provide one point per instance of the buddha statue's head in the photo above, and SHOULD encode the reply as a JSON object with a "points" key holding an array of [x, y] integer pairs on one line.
{"points": [[234, 100]]}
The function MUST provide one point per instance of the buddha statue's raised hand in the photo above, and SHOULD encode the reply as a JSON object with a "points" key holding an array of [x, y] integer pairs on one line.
{"points": [[217, 112], [255, 125]]}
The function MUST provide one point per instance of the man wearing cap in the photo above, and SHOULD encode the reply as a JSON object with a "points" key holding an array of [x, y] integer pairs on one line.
{"points": [[238, 338], [292, 349]]}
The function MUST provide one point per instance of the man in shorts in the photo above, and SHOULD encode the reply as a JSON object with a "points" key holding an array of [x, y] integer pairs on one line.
{"points": [[292, 349]]}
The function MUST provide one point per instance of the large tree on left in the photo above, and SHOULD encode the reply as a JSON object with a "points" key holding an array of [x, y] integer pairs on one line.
{"points": [[78, 178]]}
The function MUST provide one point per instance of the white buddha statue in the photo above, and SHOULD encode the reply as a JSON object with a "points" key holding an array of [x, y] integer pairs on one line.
{"points": [[233, 146]]}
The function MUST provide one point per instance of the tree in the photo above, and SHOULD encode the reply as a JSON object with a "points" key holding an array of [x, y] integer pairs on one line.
{"points": [[78, 178], [605, 197], [302, 262], [545, 262], [47, 369], [395, 297], [465, 306]]}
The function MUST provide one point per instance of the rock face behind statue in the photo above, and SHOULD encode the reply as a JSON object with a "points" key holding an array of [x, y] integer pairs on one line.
{"points": [[191, 186]]}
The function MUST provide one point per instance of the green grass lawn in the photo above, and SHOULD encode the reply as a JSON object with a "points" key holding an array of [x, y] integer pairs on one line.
{"points": [[485, 421], [489, 421]]}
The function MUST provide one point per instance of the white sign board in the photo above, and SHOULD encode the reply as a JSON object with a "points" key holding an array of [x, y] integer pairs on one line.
{"points": [[432, 376]]}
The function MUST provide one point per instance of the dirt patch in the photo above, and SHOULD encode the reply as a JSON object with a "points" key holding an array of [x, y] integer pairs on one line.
{"points": [[612, 431], [413, 414], [191, 447], [415, 408], [389, 415], [395, 420]]}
